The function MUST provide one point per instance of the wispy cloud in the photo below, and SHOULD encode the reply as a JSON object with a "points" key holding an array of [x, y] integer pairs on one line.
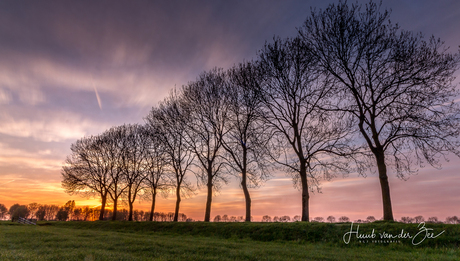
{"points": [[54, 126]]}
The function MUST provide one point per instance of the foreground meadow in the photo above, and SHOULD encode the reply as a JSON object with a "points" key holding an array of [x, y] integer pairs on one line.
{"points": [[211, 241]]}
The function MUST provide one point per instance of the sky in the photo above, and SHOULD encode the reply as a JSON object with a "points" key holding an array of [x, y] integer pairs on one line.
{"points": [[74, 68]]}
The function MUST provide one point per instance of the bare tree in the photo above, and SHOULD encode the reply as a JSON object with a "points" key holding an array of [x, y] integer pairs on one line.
{"points": [[168, 122], [319, 219], [370, 219], [218, 218], [331, 219], [308, 138], [246, 140], [114, 142], [407, 220], [33, 207], [285, 219], [3, 211], [86, 170], [266, 218], [397, 87], [433, 219], [207, 108], [47, 212], [344, 219], [452, 220], [419, 219], [156, 164], [297, 218], [133, 158], [17, 211]]}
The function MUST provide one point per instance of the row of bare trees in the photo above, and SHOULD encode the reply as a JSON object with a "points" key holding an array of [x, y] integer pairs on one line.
{"points": [[124, 162], [350, 93]]}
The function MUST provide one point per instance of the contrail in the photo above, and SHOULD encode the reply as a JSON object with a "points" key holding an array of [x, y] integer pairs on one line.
{"points": [[8, 182], [97, 94]]}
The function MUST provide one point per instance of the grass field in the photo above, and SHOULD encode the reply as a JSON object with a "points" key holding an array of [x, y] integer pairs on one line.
{"points": [[215, 241]]}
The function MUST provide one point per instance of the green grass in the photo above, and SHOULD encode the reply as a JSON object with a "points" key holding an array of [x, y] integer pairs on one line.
{"points": [[211, 241]]}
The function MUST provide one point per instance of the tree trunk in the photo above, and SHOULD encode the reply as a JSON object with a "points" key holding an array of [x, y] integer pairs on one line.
{"points": [[245, 187], [178, 199], [131, 205], [384, 185], [207, 215], [247, 198], [152, 208], [305, 193], [104, 200], [115, 209]]}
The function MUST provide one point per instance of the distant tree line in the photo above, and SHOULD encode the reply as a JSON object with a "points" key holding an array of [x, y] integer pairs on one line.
{"points": [[350, 93], [69, 212]]}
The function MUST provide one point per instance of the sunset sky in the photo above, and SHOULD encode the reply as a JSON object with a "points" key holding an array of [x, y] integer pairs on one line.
{"points": [[75, 68]]}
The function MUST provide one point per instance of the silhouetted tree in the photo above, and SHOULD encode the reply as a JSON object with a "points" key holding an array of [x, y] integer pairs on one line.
{"points": [[246, 140], [344, 219], [16, 211], [319, 219], [433, 219], [69, 206], [225, 218], [276, 219], [134, 156], [297, 218], [266, 218], [3, 211], [419, 219], [370, 219], [331, 219], [217, 218], [86, 170], [207, 108], [395, 85], [285, 219], [115, 143], [33, 207], [168, 122], [62, 214], [182, 217], [308, 138], [407, 220], [77, 214], [40, 213], [452, 220], [156, 163]]}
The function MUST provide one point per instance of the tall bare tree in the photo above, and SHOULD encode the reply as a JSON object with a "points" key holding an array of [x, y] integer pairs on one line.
{"points": [[207, 108], [132, 162], [306, 137], [396, 85], [155, 166], [246, 140], [86, 170], [168, 121], [114, 140]]}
